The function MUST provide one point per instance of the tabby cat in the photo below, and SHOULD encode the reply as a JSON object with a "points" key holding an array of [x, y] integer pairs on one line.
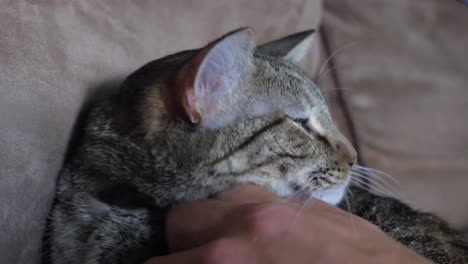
{"points": [[194, 123]]}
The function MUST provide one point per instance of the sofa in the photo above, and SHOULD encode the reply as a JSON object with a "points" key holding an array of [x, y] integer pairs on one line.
{"points": [[395, 74]]}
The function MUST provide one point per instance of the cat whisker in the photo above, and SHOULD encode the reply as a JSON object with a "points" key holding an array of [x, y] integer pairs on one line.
{"points": [[324, 73], [334, 53], [296, 194], [374, 187], [299, 212], [367, 187], [377, 175], [377, 180], [348, 191], [374, 178], [353, 225], [377, 172], [380, 184]]}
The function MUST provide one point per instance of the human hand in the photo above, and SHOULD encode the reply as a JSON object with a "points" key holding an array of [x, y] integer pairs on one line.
{"points": [[251, 225]]}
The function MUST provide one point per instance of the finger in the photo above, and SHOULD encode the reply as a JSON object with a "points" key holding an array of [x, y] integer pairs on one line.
{"points": [[317, 204], [225, 251], [315, 210], [324, 207], [248, 194], [195, 223], [184, 257]]}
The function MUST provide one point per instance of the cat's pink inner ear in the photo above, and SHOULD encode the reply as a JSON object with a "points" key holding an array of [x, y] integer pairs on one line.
{"points": [[185, 95], [225, 62], [214, 73], [193, 113], [222, 66]]}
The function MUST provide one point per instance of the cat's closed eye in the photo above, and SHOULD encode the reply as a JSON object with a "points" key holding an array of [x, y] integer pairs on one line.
{"points": [[305, 124]]}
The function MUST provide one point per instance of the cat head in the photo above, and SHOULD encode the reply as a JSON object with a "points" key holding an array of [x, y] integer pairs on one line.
{"points": [[233, 112]]}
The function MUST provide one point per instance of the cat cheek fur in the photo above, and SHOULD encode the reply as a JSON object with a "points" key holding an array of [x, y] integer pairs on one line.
{"points": [[285, 159]]}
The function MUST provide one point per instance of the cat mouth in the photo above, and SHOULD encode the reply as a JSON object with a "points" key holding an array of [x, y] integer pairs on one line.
{"points": [[332, 195]]}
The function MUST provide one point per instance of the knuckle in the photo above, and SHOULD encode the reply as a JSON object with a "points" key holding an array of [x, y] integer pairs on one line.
{"points": [[224, 251], [269, 219]]}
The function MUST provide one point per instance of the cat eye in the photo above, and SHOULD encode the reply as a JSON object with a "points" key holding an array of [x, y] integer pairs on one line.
{"points": [[304, 123]]}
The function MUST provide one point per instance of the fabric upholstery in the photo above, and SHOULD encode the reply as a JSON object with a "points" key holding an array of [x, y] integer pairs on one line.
{"points": [[55, 55], [402, 66], [396, 84]]}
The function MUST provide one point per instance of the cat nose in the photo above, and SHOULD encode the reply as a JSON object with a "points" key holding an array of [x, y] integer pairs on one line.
{"points": [[344, 149]]}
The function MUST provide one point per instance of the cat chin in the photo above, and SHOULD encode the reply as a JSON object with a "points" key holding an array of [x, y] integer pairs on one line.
{"points": [[332, 196]]}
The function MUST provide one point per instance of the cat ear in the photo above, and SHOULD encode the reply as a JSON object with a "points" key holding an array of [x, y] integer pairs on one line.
{"points": [[293, 47], [208, 82]]}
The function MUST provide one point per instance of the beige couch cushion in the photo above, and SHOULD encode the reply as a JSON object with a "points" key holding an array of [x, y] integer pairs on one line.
{"points": [[403, 68], [56, 54]]}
